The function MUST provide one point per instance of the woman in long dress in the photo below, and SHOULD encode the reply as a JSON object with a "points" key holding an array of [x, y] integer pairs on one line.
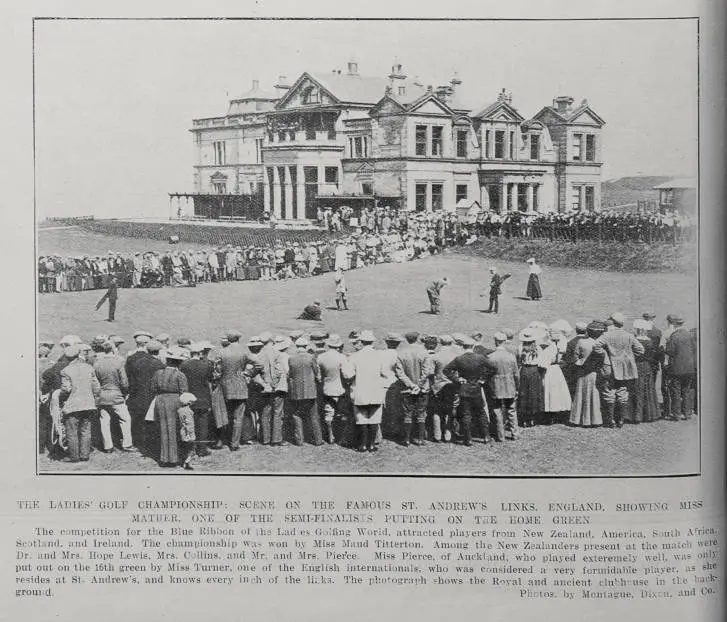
{"points": [[167, 385], [586, 409], [533, 290], [556, 396], [530, 401], [645, 407]]}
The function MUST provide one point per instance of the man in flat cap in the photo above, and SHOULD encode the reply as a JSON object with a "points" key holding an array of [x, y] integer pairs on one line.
{"points": [[334, 367], [111, 374], [620, 346], [80, 391], [434, 293], [140, 366], [237, 366], [504, 386], [469, 371], [414, 370], [681, 348]]}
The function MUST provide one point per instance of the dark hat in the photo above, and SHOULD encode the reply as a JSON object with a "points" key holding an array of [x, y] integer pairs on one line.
{"points": [[430, 341], [677, 319], [411, 336], [392, 338], [233, 335], [354, 335], [183, 341]]}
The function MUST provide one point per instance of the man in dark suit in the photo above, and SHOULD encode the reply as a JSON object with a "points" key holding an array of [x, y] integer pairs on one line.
{"points": [[496, 281], [140, 366], [237, 366], [304, 375], [112, 295], [504, 385], [682, 352], [198, 371], [470, 371], [414, 369]]}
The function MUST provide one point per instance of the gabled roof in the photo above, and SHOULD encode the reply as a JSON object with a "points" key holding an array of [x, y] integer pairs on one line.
{"points": [[571, 116], [296, 85], [429, 96], [679, 182], [387, 100], [489, 111]]}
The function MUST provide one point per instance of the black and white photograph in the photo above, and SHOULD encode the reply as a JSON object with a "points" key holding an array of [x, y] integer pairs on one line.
{"points": [[463, 248]]}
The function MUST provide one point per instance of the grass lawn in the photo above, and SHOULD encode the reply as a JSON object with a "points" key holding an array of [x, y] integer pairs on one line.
{"points": [[391, 297]]}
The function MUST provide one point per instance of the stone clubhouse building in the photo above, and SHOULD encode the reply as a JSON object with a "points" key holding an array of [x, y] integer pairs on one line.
{"points": [[341, 138]]}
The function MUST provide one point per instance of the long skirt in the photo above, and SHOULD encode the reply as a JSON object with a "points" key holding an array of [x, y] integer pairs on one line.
{"points": [[530, 401], [586, 409], [219, 408], [555, 388], [368, 414], [645, 407], [533, 290], [165, 415]]}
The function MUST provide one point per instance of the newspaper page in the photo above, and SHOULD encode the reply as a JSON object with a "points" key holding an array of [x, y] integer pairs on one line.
{"points": [[372, 312]]}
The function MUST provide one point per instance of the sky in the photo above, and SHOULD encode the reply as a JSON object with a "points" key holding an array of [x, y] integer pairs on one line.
{"points": [[114, 100]]}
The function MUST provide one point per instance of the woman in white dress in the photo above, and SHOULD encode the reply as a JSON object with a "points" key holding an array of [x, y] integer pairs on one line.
{"points": [[555, 388]]}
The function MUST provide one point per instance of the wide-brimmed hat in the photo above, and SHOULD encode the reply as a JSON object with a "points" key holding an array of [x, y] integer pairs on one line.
{"points": [[177, 354], [562, 326], [367, 336], [334, 341], [393, 338], [281, 342], [254, 342]]}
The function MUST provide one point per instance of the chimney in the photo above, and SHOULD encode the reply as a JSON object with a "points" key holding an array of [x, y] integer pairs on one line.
{"points": [[444, 92], [281, 86], [418, 81], [352, 68], [397, 72], [502, 97], [564, 103], [255, 85], [455, 82]]}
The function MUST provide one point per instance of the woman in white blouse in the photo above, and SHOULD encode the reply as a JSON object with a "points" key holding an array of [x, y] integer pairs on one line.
{"points": [[533, 290]]}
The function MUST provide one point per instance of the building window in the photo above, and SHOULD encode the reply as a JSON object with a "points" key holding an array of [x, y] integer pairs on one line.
{"points": [[220, 187], [576, 198], [488, 143], [312, 96], [331, 175], [461, 143], [310, 129], [258, 150], [220, 152], [282, 136], [512, 145], [437, 131], [420, 197], [198, 137], [437, 197], [577, 146], [357, 147], [367, 188], [534, 147], [667, 197], [460, 192], [421, 140], [536, 197], [401, 90], [590, 198], [499, 144], [590, 148]]}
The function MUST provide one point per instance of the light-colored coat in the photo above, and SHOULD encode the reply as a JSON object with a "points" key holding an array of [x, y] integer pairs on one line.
{"points": [[109, 370], [81, 385], [620, 347], [504, 382], [368, 370], [333, 365]]}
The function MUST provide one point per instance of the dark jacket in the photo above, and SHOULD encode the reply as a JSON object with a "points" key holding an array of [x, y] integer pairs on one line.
{"points": [[199, 376], [682, 351], [303, 376], [473, 368], [140, 367]]}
